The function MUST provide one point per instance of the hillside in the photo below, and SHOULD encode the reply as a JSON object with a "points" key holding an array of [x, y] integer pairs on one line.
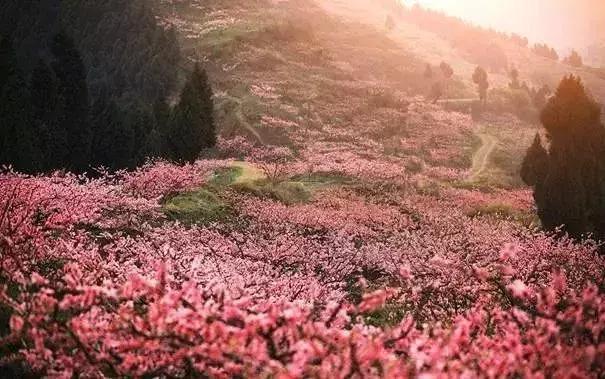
{"points": [[433, 45], [289, 91], [347, 223]]}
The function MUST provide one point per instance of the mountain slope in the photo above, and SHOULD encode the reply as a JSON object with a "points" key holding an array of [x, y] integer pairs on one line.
{"points": [[430, 46]]}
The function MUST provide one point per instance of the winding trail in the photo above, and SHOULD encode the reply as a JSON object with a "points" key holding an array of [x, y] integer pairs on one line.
{"points": [[481, 157], [243, 122]]}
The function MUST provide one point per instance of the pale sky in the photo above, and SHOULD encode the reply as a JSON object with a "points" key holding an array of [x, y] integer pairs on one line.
{"points": [[562, 23]]}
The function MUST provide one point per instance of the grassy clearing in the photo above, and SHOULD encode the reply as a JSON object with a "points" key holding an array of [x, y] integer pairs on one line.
{"points": [[247, 173], [198, 207], [205, 205], [210, 204], [285, 192], [298, 189]]}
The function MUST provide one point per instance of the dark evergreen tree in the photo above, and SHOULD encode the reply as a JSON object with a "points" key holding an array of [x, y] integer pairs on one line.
{"points": [[571, 193], [120, 60], [140, 121], [192, 126], [574, 59], [17, 136], [72, 104], [123, 48], [514, 79], [162, 117], [544, 50], [480, 78], [535, 163], [446, 70], [540, 97], [153, 146], [113, 141], [52, 142]]}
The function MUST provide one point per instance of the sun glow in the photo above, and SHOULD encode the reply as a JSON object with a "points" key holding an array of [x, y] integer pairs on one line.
{"points": [[564, 23]]}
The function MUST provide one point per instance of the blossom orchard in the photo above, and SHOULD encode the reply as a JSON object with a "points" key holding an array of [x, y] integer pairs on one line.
{"points": [[99, 283]]}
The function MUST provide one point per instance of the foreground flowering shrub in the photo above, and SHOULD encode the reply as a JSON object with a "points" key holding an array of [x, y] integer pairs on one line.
{"points": [[160, 178], [149, 327], [361, 282]]}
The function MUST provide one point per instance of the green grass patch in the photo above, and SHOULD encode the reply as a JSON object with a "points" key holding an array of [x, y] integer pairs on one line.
{"points": [[203, 206], [226, 176], [287, 192], [388, 316], [248, 173], [296, 190]]}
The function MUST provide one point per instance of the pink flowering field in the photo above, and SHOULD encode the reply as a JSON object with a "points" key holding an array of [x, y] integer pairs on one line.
{"points": [[326, 235]]}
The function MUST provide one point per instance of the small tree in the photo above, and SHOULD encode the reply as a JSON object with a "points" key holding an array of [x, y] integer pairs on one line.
{"points": [[273, 160], [540, 97], [514, 79], [480, 78], [574, 59], [446, 70]]}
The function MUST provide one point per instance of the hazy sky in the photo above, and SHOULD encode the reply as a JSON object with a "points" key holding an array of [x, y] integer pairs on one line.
{"points": [[563, 23]]}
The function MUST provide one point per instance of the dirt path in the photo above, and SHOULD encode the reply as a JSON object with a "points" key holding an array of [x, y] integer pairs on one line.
{"points": [[481, 157], [243, 122]]}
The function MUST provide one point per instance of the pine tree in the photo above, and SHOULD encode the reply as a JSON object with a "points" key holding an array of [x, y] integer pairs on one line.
{"points": [[207, 96], [153, 146], [480, 78], [535, 163], [514, 79], [113, 142], [446, 70], [192, 126], [52, 143], [540, 97], [73, 108], [571, 193], [141, 122], [18, 139], [574, 59]]}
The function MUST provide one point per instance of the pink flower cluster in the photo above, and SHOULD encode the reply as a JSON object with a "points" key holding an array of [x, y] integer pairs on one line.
{"points": [[101, 284]]}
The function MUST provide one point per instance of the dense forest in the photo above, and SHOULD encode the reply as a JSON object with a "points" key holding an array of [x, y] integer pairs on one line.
{"points": [[87, 84]]}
